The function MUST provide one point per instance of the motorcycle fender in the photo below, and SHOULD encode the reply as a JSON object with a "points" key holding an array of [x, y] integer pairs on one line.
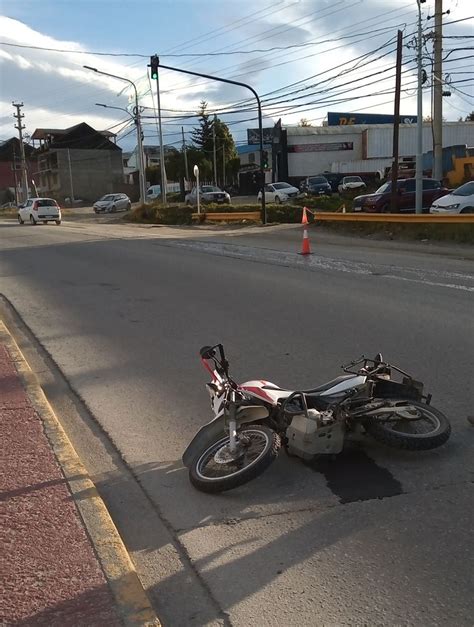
{"points": [[216, 428]]}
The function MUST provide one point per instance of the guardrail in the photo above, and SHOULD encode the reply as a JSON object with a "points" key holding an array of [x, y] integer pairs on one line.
{"points": [[427, 218], [228, 216]]}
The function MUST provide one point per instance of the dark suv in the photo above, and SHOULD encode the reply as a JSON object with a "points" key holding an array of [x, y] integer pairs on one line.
{"points": [[379, 202]]}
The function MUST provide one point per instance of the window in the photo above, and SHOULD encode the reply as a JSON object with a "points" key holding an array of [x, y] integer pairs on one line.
{"points": [[46, 202], [386, 187], [317, 180], [281, 185], [465, 190], [409, 185], [430, 184]]}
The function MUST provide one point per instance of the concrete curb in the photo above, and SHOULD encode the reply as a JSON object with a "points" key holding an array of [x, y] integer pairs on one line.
{"points": [[132, 602]]}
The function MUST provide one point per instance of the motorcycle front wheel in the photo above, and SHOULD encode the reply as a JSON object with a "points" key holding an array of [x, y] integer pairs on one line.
{"points": [[418, 427], [216, 469]]}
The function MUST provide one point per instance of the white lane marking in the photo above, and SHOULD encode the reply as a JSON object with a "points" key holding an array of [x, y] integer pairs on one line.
{"points": [[424, 277]]}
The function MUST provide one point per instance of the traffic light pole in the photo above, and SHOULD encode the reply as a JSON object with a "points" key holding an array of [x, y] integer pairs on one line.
{"points": [[260, 128], [155, 74]]}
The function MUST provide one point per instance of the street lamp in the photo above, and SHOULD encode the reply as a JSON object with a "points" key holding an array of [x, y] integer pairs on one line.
{"points": [[99, 104], [136, 112], [196, 174]]}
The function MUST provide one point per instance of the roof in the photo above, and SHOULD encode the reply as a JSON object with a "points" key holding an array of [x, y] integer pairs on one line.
{"points": [[10, 149], [80, 136], [45, 133]]}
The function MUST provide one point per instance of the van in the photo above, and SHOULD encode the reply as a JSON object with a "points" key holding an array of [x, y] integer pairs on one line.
{"points": [[153, 192]]}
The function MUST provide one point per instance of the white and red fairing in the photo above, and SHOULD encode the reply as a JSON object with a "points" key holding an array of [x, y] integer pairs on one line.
{"points": [[265, 391]]}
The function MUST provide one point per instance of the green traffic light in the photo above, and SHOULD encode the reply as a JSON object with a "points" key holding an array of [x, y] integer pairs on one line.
{"points": [[154, 75]]}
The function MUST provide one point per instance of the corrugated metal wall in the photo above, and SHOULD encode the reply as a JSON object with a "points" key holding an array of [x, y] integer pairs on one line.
{"points": [[379, 140]]}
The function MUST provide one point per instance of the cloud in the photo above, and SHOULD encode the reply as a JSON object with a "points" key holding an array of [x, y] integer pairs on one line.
{"points": [[58, 92]]}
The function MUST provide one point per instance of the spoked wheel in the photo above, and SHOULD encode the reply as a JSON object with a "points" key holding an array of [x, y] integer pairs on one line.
{"points": [[218, 469], [412, 426]]}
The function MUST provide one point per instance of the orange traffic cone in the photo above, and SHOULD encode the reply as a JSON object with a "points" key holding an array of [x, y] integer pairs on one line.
{"points": [[305, 249]]}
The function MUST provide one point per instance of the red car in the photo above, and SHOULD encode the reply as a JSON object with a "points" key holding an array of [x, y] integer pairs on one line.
{"points": [[379, 202]]}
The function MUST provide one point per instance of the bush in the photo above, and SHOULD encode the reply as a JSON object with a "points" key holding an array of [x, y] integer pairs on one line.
{"points": [[174, 214], [224, 208], [285, 214], [157, 214], [325, 203]]}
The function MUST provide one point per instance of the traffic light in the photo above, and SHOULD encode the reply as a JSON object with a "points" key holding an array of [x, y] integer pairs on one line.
{"points": [[265, 159], [154, 60]]}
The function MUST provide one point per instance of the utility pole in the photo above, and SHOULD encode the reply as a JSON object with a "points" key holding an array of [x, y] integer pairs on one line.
{"points": [[438, 93], [214, 145], [70, 176], [186, 171], [396, 124], [223, 166], [136, 116], [419, 121], [19, 126]]}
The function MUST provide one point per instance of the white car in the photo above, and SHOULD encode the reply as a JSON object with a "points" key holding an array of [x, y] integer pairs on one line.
{"points": [[113, 202], [351, 182], [459, 201], [279, 192], [39, 210]]}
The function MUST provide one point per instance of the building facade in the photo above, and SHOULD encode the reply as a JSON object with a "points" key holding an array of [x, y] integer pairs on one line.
{"points": [[77, 163]]}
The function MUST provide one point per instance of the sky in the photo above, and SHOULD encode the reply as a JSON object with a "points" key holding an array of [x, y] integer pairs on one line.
{"points": [[303, 57]]}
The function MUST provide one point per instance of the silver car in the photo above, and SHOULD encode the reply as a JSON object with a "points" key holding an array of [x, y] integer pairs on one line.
{"points": [[113, 202], [208, 194]]}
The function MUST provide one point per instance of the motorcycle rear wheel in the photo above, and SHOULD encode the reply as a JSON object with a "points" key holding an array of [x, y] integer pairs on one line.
{"points": [[429, 428], [212, 473]]}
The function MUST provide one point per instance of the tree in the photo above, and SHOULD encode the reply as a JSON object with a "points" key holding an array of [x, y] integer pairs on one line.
{"points": [[470, 117], [203, 139], [202, 135], [304, 122]]}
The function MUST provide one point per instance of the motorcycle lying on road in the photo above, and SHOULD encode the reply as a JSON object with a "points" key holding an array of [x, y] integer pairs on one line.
{"points": [[252, 420]]}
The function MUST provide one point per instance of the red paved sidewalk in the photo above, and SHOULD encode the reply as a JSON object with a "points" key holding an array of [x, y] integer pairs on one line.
{"points": [[49, 572]]}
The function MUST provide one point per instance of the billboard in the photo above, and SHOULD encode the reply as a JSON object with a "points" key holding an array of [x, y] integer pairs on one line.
{"points": [[253, 136], [347, 119], [322, 147]]}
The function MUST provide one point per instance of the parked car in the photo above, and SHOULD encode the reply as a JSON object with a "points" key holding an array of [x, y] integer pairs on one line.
{"points": [[379, 201], [461, 200], [351, 182], [333, 178], [279, 192], [316, 186], [39, 210], [113, 202], [207, 194]]}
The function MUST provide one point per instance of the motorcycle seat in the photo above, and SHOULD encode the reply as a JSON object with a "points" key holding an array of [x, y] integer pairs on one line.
{"points": [[314, 391], [327, 386]]}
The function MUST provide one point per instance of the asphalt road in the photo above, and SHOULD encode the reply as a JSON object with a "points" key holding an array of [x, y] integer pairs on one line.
{"points": [[377, 537]]}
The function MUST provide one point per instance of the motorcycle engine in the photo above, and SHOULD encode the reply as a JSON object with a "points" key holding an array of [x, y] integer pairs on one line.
{"points": [[315, 433]]}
